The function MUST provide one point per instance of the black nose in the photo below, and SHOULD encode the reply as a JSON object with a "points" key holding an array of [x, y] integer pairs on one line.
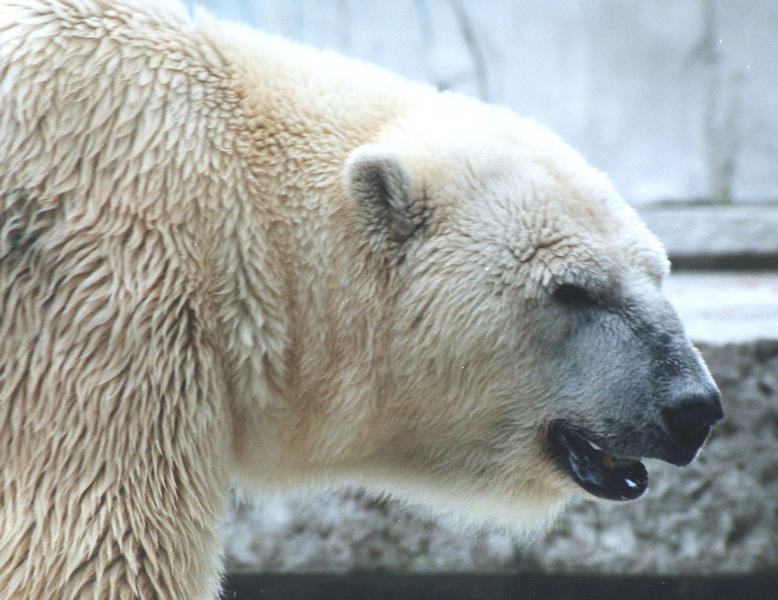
{"points": [[690, 419]]}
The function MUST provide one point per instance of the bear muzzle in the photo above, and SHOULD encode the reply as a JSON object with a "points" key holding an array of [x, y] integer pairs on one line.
{"points": [[687, 421]]}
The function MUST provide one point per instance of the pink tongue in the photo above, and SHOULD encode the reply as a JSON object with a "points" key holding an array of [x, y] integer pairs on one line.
{"points": [[611, 462]]}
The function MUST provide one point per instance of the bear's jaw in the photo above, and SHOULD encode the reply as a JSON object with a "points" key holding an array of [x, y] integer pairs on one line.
{"points": [[598, 472]]}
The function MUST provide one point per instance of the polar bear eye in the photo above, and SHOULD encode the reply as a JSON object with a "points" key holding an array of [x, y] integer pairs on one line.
{"points": [[573, 295]]}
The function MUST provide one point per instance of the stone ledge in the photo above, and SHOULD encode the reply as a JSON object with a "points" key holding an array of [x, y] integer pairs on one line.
{"points": [[726, 307], [700, 235], [520, 586]]}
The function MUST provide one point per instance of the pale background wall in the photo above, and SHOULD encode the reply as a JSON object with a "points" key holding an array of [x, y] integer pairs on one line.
{"points": [[675, 99]]}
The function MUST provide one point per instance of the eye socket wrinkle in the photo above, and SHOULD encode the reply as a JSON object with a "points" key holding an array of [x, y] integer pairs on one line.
{"points": [[573, 296]]}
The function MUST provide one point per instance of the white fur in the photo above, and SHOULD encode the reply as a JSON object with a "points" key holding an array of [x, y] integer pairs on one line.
{"points": [[193, 293]]}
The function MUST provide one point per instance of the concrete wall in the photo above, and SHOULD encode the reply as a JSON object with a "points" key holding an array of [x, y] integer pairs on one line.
{"points": [[675, 99]]}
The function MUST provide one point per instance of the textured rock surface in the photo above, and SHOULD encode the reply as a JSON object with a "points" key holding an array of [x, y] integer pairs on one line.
{"points": [[718, 515]]}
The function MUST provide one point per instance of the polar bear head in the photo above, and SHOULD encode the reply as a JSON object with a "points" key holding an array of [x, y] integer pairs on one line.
{"points": [[529, 351]]}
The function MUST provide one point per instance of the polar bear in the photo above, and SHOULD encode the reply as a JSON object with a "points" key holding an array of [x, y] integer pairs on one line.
{"points": [[224, 255]]}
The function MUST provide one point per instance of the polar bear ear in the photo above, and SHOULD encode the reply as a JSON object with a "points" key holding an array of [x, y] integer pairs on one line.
{"points": [[378, 180]]}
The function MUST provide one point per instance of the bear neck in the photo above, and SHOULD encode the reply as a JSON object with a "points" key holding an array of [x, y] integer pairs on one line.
{"points": [[288, 222]]}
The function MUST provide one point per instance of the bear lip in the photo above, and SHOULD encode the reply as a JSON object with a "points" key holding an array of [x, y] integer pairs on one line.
{"points": [[598, 472]]}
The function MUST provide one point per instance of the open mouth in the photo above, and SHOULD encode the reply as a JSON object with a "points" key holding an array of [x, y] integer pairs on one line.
{"points": [[595, 470]]}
